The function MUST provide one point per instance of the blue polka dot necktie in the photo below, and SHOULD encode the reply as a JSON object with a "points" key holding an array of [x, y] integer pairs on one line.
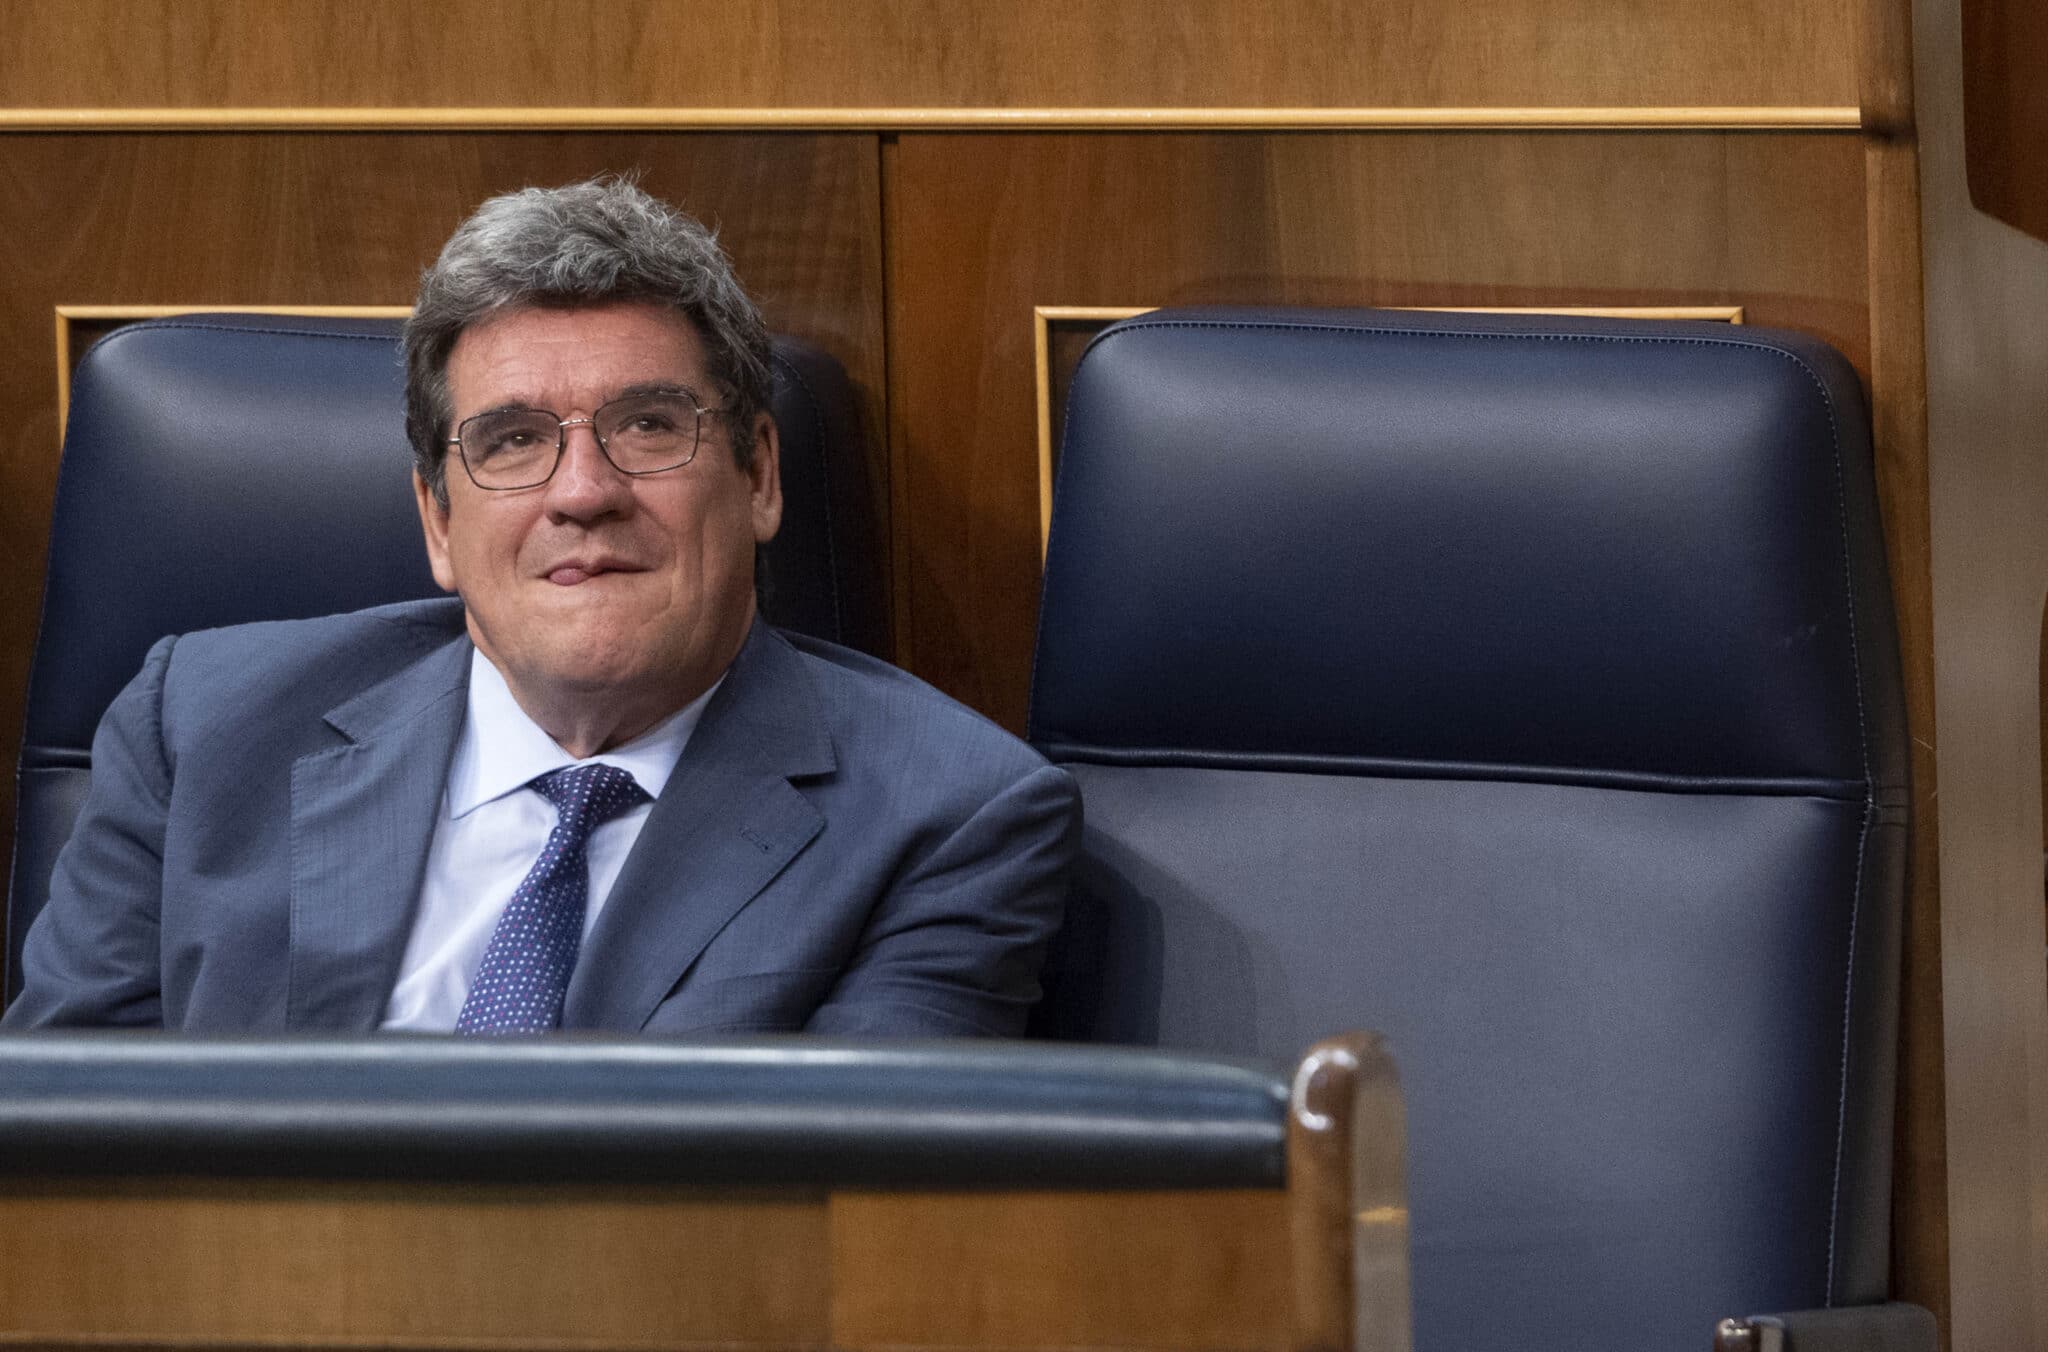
{"points": [[525, 971]]}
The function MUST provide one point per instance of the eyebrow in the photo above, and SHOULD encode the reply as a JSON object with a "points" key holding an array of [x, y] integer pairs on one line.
{"points": [[629, 392], [653, 387], [633, 391]]}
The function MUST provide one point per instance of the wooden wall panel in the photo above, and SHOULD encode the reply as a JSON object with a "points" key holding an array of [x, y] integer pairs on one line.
{"points": [[851, 53], [1091, 1271], [1899, 430], [1987, 425], [280, 1264], [1920, 1198], [981, 229], [2005, 110], [351, 219], [337, 1265]]}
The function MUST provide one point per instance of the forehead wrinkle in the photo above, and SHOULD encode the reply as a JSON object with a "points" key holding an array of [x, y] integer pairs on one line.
{"points": [[550, 365], [636, 390], [509, 406]]}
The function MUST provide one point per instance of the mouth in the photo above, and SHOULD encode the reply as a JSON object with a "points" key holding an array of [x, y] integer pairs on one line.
{"points": [[576, 572]]}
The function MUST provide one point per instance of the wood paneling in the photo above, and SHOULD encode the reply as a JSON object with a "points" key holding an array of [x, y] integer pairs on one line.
{"points": [[839, 53], [338, 1264], [321, 1264], [1899, 429], [2005, 110], [351, 219], [1079, 1272], [1811, 231], [1987, 406], [1577, 117], [984, 228]]}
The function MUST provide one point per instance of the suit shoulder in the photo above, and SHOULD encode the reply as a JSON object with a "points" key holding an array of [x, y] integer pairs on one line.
{"points": [[243, 669], [280, 647], [868, 700], [429, 622]]}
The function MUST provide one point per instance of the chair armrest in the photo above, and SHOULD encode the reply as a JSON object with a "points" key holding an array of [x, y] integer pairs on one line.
{"points": [[766, 1111], [1894, 1327]]}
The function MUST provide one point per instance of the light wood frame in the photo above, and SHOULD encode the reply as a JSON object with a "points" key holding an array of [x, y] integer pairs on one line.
{"points": [[1846, 118], [69, 315]]}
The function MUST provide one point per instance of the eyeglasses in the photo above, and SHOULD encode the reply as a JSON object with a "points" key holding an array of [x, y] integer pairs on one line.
{"points": [[639, 434]]}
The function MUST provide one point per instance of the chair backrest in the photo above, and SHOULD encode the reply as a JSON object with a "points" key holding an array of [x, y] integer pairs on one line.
{"points": [[1527, 690], [225, 468]]}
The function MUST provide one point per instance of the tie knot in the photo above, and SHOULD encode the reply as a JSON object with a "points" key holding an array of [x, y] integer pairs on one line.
{"points": [[588, 796]]}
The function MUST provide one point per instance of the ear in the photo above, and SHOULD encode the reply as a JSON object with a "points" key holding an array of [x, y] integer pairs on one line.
{"points": [[434, 525], [766, 476]]}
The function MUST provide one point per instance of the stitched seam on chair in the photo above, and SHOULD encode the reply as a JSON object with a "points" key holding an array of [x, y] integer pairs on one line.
{"points": [[1848, 1006], [1863, 837], [159, 325], [1378, 767], [825, 473], [1654, 340]]}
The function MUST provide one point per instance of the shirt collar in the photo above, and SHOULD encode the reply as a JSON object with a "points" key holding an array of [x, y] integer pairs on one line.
{"points": [[501, 750]]}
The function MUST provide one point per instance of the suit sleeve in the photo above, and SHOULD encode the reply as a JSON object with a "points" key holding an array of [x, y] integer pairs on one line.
{"points": [[92, 956], [955, 947]]}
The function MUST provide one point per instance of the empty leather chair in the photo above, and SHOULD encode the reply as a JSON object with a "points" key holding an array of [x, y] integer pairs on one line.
{"points": [[1527, 690], [225, 468]]}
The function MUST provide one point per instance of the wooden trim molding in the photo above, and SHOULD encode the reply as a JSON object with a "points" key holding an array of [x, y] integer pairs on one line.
{"points": [[1825, 118], [1347, 1194], [68, 315], [1043, 317]]}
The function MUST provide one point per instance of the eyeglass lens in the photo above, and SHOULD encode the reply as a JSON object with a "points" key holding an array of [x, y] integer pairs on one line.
{"points": [[518, 448]]}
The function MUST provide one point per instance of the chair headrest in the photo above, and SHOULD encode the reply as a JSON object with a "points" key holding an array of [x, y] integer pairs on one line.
{"points": [[226, 468], [218, 469], [1488, 545]]}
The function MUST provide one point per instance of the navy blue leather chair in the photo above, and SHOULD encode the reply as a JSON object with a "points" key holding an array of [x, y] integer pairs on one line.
{"points": [[1527, 690], [225, 468]]}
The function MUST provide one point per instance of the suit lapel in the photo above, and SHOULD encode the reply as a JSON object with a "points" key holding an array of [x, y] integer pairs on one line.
{"points": [[363, 815], [725, 825]]}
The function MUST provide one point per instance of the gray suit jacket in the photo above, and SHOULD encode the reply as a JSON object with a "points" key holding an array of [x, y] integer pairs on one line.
{"points": [[841, 848]]}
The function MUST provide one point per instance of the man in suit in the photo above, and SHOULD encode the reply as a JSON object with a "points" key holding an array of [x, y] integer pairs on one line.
{"points": [[595, 791]]}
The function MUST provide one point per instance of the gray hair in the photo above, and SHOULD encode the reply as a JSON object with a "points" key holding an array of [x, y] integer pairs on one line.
{"points": [[586, 244]]}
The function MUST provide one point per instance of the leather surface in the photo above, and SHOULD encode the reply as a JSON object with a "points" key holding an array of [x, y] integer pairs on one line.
{"points": [[1870, 1328], [1500, 582], [228, 468], [736, 1112], [1527, 690]]}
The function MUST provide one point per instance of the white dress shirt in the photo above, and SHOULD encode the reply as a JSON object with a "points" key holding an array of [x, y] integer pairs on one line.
{"points": [[490, 831]]}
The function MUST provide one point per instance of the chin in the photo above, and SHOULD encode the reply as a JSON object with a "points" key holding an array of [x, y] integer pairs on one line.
{"points": [[597, 670]]}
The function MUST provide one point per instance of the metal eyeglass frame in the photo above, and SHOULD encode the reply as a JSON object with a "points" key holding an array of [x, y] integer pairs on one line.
{"points": [[562, 426]]}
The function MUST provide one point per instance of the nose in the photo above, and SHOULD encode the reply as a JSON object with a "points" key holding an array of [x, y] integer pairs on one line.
{"points": [[586, 485]]}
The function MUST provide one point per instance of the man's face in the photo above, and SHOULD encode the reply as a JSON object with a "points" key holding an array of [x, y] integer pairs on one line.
{"points": [[599, 593]]}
